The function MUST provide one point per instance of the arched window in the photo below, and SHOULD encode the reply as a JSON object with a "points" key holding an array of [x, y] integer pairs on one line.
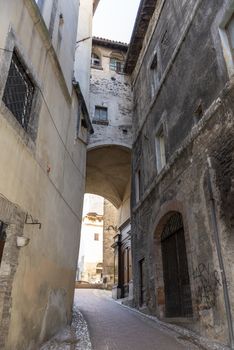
{"points": [[95, 60]]}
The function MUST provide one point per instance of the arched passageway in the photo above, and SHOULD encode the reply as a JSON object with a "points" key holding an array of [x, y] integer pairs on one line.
{"points": [[108, 173]]}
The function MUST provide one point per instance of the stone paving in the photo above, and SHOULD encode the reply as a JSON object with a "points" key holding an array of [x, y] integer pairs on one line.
{"points": [[75, 337], [111, 326]]}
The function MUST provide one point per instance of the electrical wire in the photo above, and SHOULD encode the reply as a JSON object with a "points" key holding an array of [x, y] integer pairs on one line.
{"points": [[64, 145], [2, 49]]}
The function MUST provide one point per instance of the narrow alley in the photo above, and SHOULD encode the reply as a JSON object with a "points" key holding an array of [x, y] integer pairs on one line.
{"points": [[117, 175], [115, 327]]}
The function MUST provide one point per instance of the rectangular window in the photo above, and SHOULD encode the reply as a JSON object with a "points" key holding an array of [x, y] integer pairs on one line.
{"points": [[96, 236], [2, 239], [101, 115], [116, 65], [138, 185], [154, 75], [230, 33], [53, 17], [226, 32], [160, 150], [19, 91], [142, 281]]}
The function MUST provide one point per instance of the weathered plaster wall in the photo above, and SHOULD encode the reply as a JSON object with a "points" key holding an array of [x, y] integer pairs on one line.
{"points": [[192, 74], [44, 178]]}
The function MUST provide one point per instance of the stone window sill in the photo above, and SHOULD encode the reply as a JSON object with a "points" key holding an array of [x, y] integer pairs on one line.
{"points": [[97, 67], [100, 122]]}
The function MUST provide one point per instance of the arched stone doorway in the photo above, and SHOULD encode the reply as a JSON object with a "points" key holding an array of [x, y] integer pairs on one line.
{"points": [[178, 301]]}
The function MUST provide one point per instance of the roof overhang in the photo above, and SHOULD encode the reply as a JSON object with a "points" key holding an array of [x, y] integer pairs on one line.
{"points": [[117, 45], [95, 5], [144, 15]]}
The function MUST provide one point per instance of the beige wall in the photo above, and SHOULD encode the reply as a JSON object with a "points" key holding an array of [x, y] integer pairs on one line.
{"points": [[84, 46], [44, 178]]}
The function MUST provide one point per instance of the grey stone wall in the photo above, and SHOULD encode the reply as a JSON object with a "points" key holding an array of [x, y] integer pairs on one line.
{"points": [[192, 75]]}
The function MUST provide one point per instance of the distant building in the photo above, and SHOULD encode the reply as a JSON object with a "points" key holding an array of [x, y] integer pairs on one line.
{"points": [[90, 264]]}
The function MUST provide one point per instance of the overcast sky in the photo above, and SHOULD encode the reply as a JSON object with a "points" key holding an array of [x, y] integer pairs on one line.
{"points": [[114, 19]]}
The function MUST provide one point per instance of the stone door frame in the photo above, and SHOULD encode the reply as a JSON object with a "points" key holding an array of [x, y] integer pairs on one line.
{"points": [[167, 210]]}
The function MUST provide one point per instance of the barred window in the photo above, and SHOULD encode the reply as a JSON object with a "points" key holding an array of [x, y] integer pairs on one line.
{"points": [[19, 92]]}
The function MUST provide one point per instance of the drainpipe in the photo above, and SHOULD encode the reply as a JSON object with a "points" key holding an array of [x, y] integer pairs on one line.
{"points": [[219, 253]]}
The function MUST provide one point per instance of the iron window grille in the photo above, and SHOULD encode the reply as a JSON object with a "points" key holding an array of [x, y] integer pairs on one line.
{"points": [[174, 224], [19, 92]]}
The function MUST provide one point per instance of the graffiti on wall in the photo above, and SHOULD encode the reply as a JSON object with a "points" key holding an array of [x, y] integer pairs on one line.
{"points": [[207, 284]]}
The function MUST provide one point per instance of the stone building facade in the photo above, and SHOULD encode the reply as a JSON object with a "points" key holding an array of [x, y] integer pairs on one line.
{"points": [[44, 123], [109, 147], [181, 64]]}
